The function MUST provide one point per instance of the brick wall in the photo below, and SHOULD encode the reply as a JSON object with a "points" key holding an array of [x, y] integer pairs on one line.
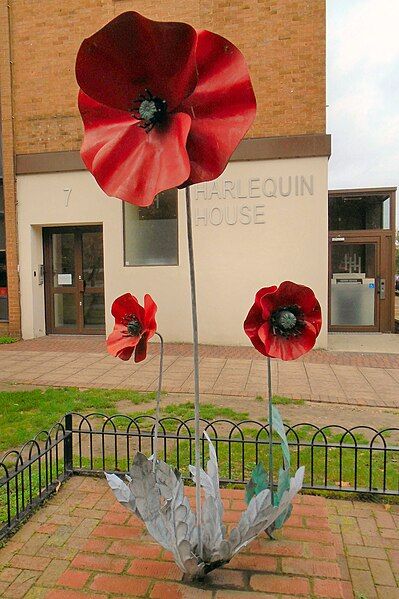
{"points": [[7, 134], [283, 41]]}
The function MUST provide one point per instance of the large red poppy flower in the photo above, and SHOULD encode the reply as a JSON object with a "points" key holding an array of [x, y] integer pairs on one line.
{"points": [[134, 326], [284, 321], [163, 105]]}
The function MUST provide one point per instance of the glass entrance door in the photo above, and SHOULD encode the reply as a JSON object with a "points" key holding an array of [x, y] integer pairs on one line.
{"points": [[74, 280], [354, 285]]}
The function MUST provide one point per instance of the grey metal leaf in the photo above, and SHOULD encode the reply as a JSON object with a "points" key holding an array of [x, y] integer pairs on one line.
{"points": [[120, 489], [144, 487], [212, 465], [181, 512], [278, 426], [181, 532], [122, 493], [224, 550], [211, 529], [185, 551], [205, 481], [166, 479], [235, 537], [213, 473], [157, 529], [178, 517]]}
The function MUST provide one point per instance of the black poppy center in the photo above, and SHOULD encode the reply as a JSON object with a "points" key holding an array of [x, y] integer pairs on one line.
{"points": [[287, 321], [149, 110], [133, 326]]}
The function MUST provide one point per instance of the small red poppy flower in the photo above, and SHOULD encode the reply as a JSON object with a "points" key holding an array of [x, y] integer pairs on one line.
{"points": [[284, 321], [163, 105], [134, 326]]}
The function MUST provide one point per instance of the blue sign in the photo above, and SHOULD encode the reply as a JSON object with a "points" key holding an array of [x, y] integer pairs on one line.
{"points": [[371, 285]]}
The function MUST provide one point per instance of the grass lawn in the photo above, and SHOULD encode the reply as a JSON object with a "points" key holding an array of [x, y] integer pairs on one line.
{"points": [[25, 413], [330, 466]]}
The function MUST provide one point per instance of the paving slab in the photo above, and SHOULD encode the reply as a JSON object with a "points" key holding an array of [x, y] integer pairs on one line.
{"points": [[328, 377]]}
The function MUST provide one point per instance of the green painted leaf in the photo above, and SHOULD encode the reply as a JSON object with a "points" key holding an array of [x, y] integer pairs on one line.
{"points": [[283, 518], [259, 482], [283, 483]]}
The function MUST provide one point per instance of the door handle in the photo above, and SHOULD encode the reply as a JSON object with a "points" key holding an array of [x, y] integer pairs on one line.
{"points": [[381, 288], [82, 284]]}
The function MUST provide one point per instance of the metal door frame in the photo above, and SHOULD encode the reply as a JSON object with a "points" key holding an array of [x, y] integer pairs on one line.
{"points": [[78, 289]]}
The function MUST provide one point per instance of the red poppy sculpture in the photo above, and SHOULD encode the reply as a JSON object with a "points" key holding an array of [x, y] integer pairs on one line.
{"points": [[284, 321], [163, 105], [134, 326]]}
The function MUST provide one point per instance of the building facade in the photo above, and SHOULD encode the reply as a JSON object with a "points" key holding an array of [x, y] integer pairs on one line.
{"points": [[263, 221]]}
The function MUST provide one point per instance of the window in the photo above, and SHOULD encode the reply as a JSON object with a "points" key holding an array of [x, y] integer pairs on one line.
{"points": [[3, 269], [150, 234], [358, 213]]}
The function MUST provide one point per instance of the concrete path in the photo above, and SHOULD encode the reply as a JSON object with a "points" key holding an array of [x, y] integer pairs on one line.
{"points": [[364, 342], [331, 377]]}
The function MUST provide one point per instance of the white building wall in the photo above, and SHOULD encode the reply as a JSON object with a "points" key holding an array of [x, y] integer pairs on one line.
{"points": [[260, 223]]}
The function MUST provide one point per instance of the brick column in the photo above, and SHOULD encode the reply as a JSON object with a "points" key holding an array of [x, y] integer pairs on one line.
{"points": [[7, 133]]}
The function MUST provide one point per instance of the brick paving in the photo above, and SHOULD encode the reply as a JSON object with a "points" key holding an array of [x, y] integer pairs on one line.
{"points": [[367, 542], [95, 344], [330, 377], [82, 544]]}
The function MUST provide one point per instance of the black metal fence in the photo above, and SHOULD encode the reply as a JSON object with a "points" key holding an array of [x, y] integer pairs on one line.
{"points": [[336, 459]]}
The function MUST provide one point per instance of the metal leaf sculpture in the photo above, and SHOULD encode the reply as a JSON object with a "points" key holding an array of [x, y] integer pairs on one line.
{"points": [[156, 496], [260, 479]]}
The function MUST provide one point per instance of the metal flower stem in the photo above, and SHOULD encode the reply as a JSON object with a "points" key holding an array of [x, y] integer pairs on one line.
{"points": [[158, 408], [196, 368], [270, 399]]}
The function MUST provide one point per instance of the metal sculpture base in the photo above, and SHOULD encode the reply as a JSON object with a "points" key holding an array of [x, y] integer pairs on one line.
{"points": [[156, 496]]}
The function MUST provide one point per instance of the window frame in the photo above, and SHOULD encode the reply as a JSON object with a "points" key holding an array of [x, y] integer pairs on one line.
{"points": [[353, 194]]}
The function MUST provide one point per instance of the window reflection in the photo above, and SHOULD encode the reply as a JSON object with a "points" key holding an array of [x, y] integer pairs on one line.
{"points": [[151, 232], [358, 213]]}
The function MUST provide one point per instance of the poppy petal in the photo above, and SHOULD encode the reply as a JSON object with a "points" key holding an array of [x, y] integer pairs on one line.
{"points": [[125, 353], [124, 306], [252, 323], [222, 106], [290, 293], [277, 346], [127, 162], [150, 309], [262, 292], [132, 54], [141, 350], [121, 345]]}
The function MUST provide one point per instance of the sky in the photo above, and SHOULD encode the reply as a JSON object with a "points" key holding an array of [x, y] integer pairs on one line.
{"points": [[363, 93]]}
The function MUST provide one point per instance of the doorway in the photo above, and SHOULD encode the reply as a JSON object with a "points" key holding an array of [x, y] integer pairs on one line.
{"points": [[74, 280], [360, 286], [354, 285], [362, 260]]}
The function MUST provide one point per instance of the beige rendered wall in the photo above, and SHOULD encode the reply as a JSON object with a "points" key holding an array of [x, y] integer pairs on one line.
{"points": [[260, 223]]}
